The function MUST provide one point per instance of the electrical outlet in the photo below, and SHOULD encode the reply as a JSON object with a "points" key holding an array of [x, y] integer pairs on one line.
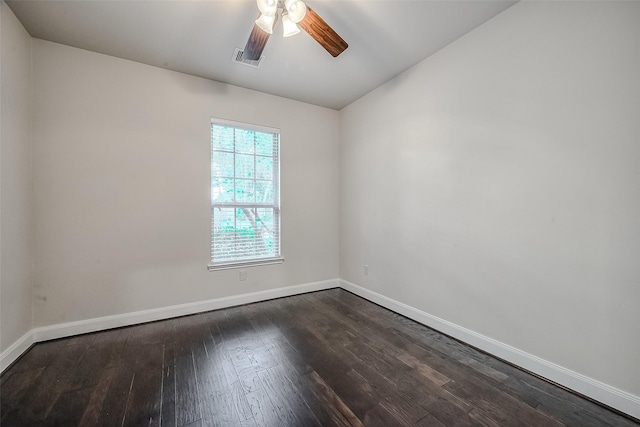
{"points": [[366, 269], [243, 275]]}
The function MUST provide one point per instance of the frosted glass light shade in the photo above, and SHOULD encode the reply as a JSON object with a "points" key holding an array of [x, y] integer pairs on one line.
{"points": [[297, 10], [268, 7], [289, 28], [265, 22]]}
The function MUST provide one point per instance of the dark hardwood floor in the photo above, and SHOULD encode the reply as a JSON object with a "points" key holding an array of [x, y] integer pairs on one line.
{"points": [[327, 358]]}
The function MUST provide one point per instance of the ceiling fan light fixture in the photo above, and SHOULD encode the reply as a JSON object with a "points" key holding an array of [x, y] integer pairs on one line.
{"points": [[297, 10], [265, 22], [296, 16], [268, 7], [289, 28]]}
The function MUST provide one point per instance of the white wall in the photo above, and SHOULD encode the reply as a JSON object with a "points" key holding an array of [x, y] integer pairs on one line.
{"points": [[121, 164], [496, 185], [16, 189]]}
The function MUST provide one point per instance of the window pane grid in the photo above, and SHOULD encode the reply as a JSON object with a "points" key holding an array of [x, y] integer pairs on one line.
{"points": [[245, 214]]}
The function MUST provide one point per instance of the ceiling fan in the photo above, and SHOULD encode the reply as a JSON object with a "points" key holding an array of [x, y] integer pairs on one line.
{"points": [[295, 13]]}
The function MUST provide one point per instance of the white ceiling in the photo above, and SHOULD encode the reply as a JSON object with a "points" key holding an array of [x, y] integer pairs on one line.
{"points": [[199, 37]]}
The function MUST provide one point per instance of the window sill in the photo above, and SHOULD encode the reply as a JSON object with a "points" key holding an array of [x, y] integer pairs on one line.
{"points": [[242, 264]]}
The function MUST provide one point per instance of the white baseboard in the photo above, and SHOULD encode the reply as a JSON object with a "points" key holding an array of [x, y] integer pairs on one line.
{"points": [[611, 396], [15, 350], [127, 319]]}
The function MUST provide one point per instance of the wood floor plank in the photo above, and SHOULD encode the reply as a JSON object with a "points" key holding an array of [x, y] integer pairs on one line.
{"points": [[307, 395], [294, 368], [249, 422], [144, 403], [91, 413], [14, 386], [39, 356], [247, 374], [484, 369], [12, 391], [563, 406], [336, 339], [232, 328], [103, 352], [287, 398], [168, 410], [370, 324], [111, 343], [240, 402], [322, 358], [128, 358], [115, 401], [484, 390], [379, 416], [480, 419], [218, 351], [282, 349], [423, 369], [397, 384], [68, 408], [187, 400], [264, 413], [429, 421], [418, 334], [339, 413], [280, 384], [440, 404], [250, 342], [218, 408], [256, 314], [39, 399], [487, 389]]}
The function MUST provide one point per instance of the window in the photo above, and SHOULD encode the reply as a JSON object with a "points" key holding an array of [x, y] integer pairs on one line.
{"points": [[245, 196]]}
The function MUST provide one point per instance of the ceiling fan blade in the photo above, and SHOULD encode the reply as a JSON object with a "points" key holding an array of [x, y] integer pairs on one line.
{"points": [[255, 45], [323, 33]]}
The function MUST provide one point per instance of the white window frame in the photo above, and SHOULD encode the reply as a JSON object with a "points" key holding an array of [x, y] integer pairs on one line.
{"points": [[228, 264]]}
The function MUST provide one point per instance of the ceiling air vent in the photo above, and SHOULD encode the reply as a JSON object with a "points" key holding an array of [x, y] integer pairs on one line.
{"points": [[237, 57]]}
